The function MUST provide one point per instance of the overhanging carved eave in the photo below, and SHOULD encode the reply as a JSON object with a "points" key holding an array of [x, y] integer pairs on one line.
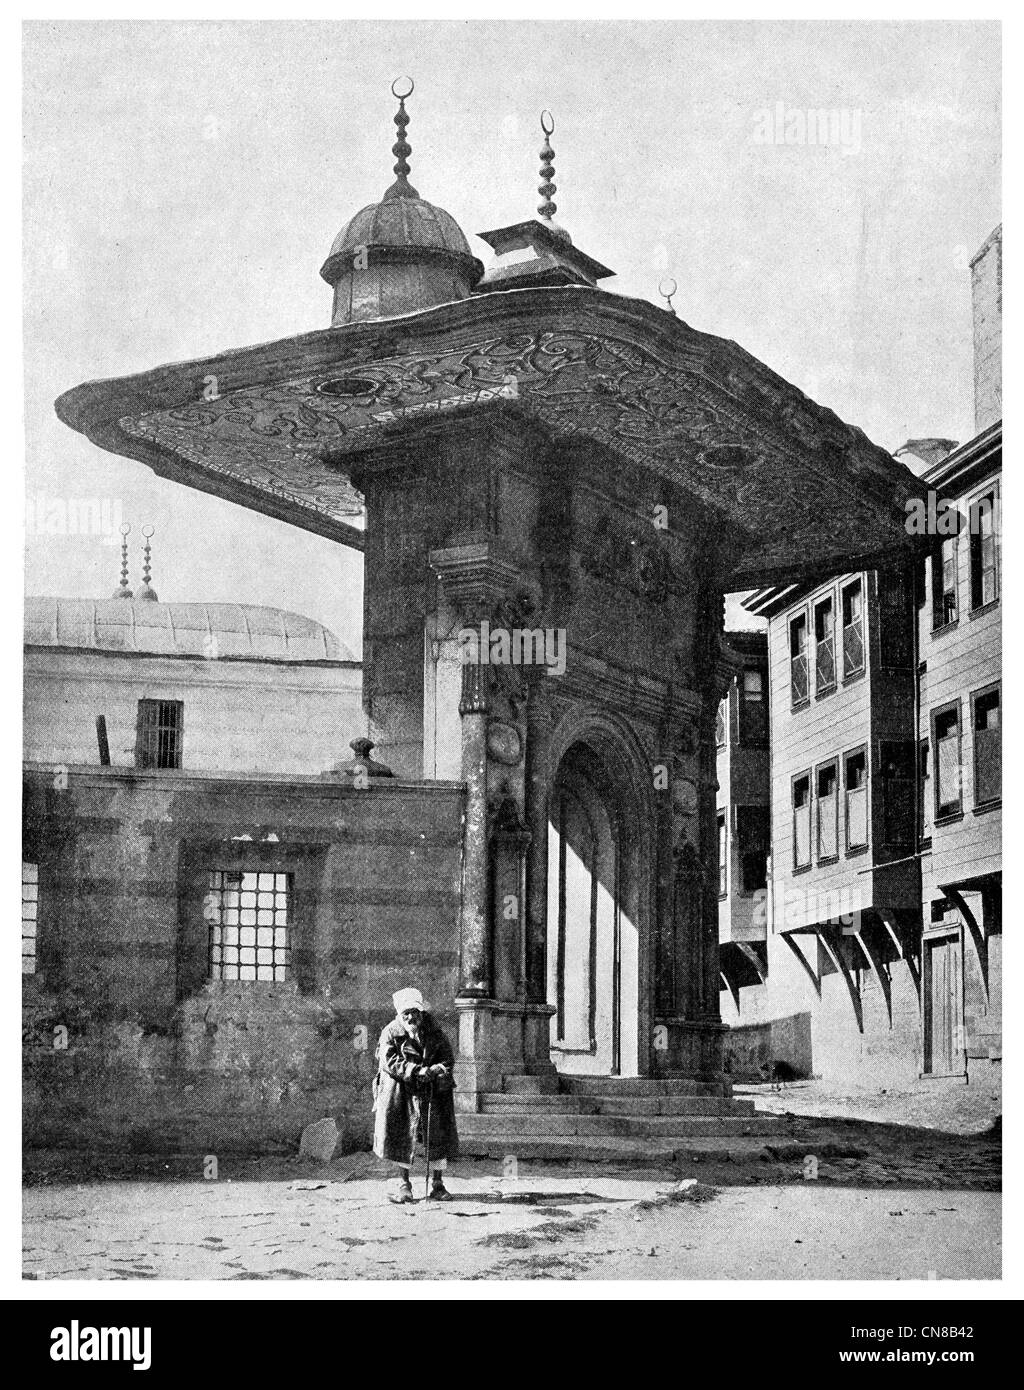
{"points": [[279, 427]]}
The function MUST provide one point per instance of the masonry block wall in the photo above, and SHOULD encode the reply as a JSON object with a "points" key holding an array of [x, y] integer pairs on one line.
{"points": [[130, 1042]]}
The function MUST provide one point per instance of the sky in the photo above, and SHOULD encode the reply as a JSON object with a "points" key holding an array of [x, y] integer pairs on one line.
{"points": [[184, 181]]}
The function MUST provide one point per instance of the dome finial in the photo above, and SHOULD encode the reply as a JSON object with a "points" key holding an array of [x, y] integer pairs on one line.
{"points": [[123, 590], [667, 288], [547, 209], [402, 188], [147, 591]]}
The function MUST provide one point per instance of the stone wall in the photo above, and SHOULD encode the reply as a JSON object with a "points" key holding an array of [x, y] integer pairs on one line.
{"points": [[130, 1044]]}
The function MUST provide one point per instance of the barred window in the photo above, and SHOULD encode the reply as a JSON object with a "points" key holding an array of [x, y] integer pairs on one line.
{"points": [[29, 916], [853, 629], [249, 920], [159, 733]]}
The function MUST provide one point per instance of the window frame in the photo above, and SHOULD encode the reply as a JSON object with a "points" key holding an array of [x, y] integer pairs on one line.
{"points": [[287, 965], [798, 777], [975, 553], [30, 899], [752, 711], [954, 810], [860, 751], [940, 622], [794, 618], [829, 688], [925, 793], [851, 673], [143, 731], [722, 823], [993, 688], [828, 764]]}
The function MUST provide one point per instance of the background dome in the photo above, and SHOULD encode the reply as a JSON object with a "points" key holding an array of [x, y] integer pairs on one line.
{"points": [[242, 631]]}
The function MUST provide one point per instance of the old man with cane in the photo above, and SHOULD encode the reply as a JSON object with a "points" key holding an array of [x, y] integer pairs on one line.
{"points": [[413, 1104]]}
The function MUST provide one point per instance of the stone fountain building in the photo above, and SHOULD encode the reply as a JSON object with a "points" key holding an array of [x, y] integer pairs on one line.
{"points": [[554, 487]]}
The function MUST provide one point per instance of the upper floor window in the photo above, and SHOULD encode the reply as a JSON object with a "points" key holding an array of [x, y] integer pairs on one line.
{"points": [[753, 836], [828, 811], [753, 707], [924, 789], [985, 549], [897, 760], [723, 855], [948, 773], [824, 647], [249, 920], [988, 756], [722, 722], [856, 778], [799, 685], [801, 821], [29, 916], [159, 733], [944, 562], [853, 628]]}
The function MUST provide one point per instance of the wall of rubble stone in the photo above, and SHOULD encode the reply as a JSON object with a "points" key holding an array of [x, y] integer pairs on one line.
{"points": [[128, 1042]]}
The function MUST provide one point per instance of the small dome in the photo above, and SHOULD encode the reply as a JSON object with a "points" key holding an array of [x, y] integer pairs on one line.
{"points": [[238, 631], [400, 255]]}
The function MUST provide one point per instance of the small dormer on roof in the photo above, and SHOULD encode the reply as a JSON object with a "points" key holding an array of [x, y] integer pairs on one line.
{"points": [[550, 257], [402, 254]]}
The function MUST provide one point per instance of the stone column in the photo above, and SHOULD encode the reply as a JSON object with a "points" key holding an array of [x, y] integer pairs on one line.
{"points": [[538, 742], [475, 978]]}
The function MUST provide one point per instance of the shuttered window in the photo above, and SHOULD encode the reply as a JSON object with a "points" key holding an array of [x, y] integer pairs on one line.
{"points": [[948, 775], [985, 549], [798, 675], [853, 629], [856, 778], [828, 811], [824, 647]]}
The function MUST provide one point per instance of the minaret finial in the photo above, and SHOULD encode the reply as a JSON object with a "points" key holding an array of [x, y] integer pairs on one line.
{"points": [[402, 188], [147, 591], [123, 590], [547, 209], [667, 293]]}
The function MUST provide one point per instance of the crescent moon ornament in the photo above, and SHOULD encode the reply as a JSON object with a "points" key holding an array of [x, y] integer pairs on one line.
{"points": [[400, 82]]}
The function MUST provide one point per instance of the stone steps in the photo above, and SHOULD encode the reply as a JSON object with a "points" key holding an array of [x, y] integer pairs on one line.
{"points": [[638, 1086], [610, 1149], [501, 1103], [543, 1124]]}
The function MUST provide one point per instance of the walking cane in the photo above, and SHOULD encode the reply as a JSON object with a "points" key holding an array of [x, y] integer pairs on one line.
{"points": [[430, 1096]]}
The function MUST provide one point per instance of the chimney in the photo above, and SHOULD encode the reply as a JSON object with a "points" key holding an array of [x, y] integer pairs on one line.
{"points": [[987, 305]]}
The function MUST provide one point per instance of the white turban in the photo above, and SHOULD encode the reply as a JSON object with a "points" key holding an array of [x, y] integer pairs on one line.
{"points": [[407, 999]]}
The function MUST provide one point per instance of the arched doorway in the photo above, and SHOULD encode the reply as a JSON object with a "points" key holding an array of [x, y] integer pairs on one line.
{"points": [[593, 956]]}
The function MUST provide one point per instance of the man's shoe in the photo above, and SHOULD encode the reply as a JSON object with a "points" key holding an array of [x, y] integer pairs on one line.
{"points": [[439, 1193], [402, 1194]]}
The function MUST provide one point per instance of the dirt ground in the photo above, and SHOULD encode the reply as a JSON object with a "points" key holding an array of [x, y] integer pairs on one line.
{"points": [[882, 1200]]}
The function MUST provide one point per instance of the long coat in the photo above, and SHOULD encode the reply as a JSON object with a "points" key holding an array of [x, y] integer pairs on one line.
{"points": [[399, 1100]]}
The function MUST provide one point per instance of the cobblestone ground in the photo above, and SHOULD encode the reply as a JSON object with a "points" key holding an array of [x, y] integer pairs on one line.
{"points": [[889, 1201]]}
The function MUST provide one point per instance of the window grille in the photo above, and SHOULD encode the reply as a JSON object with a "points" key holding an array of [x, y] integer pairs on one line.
{"points": [[29, 916], [249, 921], [824, 648], [853, 629], [159, 734], [798, 659]]}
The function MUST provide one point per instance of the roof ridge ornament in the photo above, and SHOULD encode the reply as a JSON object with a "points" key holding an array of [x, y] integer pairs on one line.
{"points": [[666, 293], [401, 188], [547, 186], [123, 590]]}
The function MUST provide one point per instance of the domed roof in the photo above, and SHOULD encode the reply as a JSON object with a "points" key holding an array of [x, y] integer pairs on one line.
{"points": [[400, 255], [401, 222], [239, 631]]}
